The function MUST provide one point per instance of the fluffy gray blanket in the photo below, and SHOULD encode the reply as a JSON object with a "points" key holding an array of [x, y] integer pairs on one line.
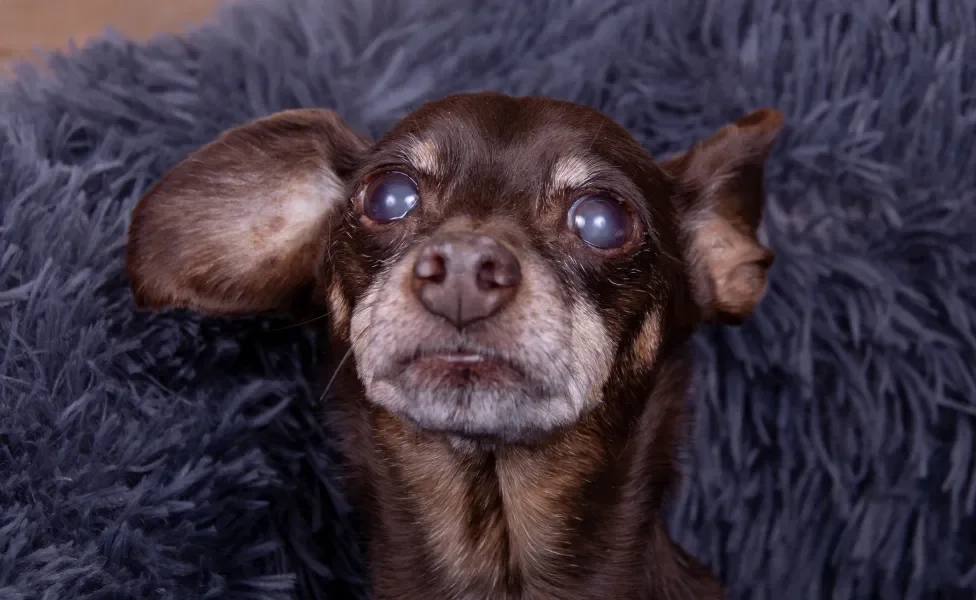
{"points": [[171, 456]]}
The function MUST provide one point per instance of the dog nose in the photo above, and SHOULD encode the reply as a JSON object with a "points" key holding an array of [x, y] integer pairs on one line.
{"points": [[465, 277]]}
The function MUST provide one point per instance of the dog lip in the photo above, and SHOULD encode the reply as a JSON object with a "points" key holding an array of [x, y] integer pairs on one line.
{"points": [[460, 356]]}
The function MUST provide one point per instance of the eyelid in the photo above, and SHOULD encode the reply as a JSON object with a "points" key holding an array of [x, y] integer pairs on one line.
{"points": [[386, 169], [592, 190], [611, 195]]}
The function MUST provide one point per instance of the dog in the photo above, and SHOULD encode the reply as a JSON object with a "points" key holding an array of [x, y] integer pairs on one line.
{"points": [[514, 282]]}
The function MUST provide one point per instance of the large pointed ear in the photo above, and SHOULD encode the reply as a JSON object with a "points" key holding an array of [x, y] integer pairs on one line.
{"points": [[720, 200], [240, 225]]}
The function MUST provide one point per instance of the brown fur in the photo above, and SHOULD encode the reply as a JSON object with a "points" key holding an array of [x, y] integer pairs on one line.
{"points": [[544, 491]]}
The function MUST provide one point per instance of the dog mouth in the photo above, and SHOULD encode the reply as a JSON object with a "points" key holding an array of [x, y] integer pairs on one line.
{"points": [[468, 389], [461, 366]]}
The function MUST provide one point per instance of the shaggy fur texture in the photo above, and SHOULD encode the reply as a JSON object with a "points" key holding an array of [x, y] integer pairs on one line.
{"points": [[173, 457]]}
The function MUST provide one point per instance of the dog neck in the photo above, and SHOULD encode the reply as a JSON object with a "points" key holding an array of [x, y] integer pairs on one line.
{"points": [[579, 516]]}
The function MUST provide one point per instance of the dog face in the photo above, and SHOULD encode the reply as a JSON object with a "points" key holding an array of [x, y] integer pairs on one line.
{"points": [[494, 263]]}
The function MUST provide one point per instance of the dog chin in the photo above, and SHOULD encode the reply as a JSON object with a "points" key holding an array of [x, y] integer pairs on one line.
{"points": [[514, 414]]}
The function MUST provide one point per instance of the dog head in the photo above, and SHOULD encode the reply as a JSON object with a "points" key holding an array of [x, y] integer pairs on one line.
{"points": [[494, 263]]}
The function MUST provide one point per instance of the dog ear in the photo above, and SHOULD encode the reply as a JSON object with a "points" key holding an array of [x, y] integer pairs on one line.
{"points": [[719, 200], [240, 225]]}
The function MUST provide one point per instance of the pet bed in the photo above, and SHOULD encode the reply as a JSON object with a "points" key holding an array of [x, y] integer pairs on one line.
{"points": [[175, 457]]}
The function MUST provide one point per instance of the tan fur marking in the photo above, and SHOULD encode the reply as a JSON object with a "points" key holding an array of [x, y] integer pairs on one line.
{"points": [[591, 346], [733, 259], [648, 340], [424, 157], [360, 329], [570, 172], [438, 482], [339, 309], [536, 493]]}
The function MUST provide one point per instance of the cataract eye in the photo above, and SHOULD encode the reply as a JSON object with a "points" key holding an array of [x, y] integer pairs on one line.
{"points": [[600, 221], [389, 197]]}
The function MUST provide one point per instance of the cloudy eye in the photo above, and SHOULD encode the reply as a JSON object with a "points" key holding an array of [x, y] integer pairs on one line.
{"points": [[389, 197], [601, 221]]}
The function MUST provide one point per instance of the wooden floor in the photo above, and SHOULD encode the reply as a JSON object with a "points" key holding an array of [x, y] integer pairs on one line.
{"points": [[51, 24]]}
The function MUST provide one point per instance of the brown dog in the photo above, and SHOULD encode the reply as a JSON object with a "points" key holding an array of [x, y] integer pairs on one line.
{"points": [[515, 281]]}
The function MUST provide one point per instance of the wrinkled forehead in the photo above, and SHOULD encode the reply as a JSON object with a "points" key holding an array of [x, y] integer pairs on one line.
{"points": [[527, 144]]}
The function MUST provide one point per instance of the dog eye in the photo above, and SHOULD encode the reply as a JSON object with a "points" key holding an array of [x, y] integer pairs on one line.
{"points": [[601, 221], [389, 197]]}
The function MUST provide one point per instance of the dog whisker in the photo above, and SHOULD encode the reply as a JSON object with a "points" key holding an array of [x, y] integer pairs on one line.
{"points": [[335, 373], [300, 324]]}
